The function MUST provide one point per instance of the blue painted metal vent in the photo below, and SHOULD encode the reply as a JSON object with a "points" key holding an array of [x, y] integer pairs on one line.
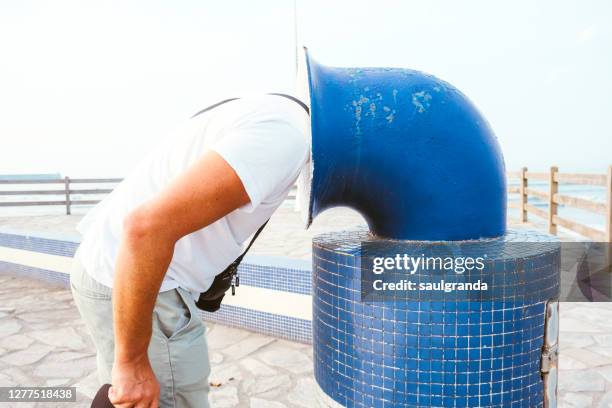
{"points": [[408, 151]]}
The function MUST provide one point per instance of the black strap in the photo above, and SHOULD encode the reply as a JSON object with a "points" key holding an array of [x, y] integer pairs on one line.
{"points": [[239, 259], [213, 106], [293, 98]]}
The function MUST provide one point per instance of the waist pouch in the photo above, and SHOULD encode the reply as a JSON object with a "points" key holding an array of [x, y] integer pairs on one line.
{"points": [[210, 301]]}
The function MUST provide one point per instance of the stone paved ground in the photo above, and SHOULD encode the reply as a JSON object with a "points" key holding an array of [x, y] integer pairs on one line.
{"points": [[585, 362], [43, 342]]}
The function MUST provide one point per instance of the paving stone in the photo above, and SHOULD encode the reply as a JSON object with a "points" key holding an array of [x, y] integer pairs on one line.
{"points": [[57, 382], [89, 385], [58, 316], [574, 400], [261, 385], [6, 381], [33, 298], [255, 402], [4, 279], [606, 372], [604, 340], [216, 358], [256, 367], [16, 342], [19, 376], [224, 397], [569, 325], [581, 380], [288, 359], [303, 395], [63, 296], [276, 395], [26, 405], [9, 327], [61, 337], [602, 351], [17, 290], [576, 340], [606, 401], [63, 356], [588, 357], [570, 363], [46, 325], [223, 373], [73, 369], [591, 312], [295, 345], [247, 346], [220, 337], [27, 356]]}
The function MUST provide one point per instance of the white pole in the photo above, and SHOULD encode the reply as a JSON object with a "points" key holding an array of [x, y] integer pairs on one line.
{"points": [[295, 36]]}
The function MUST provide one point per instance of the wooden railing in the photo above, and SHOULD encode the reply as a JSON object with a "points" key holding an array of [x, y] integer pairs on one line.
{"points": [[553, 178], [64, 189], [553, 198]]}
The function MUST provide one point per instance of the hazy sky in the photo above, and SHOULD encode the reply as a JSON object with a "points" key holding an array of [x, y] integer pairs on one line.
{"points": [[87, 86]]}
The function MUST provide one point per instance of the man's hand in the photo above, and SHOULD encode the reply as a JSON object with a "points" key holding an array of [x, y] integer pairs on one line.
{"points": [[134, 385], [207, 191]]}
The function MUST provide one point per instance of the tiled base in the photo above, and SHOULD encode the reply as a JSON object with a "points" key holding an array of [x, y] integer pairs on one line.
{"points": [[447, 352]]}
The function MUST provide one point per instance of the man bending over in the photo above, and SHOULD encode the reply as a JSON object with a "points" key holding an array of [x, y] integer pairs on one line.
{"points": [[157, 241]]}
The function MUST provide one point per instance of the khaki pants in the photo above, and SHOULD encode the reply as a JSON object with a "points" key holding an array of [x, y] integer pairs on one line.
{"points": [[178, 350]]}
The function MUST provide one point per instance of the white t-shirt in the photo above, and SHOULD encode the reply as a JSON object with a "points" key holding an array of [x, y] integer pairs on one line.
{"points": [[265, 139]]}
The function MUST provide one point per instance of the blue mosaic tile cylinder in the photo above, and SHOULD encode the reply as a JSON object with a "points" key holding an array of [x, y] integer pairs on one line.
{"points": [[445, 352]]}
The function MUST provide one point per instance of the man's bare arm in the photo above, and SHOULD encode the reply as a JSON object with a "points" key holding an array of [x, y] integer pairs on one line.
{"points": [[204, 193]]}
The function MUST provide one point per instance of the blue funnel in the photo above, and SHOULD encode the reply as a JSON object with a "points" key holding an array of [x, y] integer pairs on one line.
{"points": [[408, 151]]}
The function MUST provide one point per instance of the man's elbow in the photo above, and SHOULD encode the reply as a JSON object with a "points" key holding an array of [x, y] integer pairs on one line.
{"points": [[141, 226]]}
